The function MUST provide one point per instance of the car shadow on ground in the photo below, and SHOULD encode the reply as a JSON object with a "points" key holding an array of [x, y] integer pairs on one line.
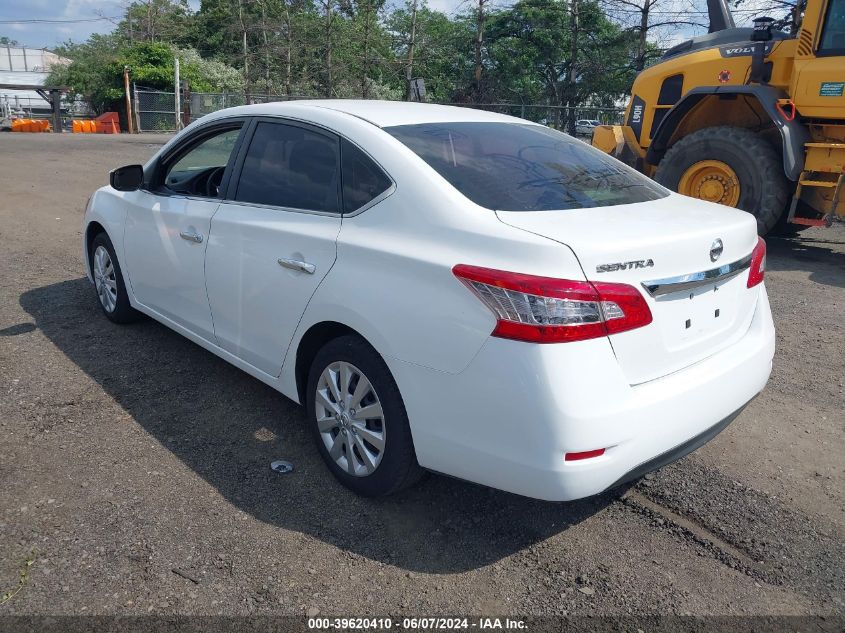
{"points": [[228, 427], [818, 256]]}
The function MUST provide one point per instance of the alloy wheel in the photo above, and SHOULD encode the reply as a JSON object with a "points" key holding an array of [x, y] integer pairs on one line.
{"points": [[350, 419], [104, 279]]}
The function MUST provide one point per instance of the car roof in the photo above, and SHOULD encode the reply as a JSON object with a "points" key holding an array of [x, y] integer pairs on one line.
{"points": [[380, 113]]}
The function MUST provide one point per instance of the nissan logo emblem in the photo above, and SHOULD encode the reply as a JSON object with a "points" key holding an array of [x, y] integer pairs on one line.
{"points": [[716, 250]]}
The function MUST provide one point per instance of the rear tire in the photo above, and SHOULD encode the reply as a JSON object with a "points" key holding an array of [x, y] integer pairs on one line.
{"points": [[764, 189], [372, 455]]}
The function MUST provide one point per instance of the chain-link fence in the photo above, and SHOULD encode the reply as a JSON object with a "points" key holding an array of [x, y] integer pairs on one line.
{"points": [[551, 115], [155, 111], [202, 103]]}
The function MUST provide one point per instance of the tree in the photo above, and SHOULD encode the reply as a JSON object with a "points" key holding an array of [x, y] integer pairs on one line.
{"points": [[156, 21], [564, 53], [531, 55], [96, 69], [5, 41], [648, 20], [441, 50], [480, 19]]}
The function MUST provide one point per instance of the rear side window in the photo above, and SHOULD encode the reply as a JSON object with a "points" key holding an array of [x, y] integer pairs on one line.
{"points": [[290, 166], [363, 180], [516, 167]]}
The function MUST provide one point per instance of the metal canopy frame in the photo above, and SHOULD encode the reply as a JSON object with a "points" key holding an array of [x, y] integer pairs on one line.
{"points": [[51, 94]]}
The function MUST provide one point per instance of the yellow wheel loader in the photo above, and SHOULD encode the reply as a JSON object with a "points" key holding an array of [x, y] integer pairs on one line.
{"points": [[753, 118]]}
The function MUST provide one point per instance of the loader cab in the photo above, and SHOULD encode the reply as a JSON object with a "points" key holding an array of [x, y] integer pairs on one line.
{"points": [[741, 37], [818, 82], [832, 38]]}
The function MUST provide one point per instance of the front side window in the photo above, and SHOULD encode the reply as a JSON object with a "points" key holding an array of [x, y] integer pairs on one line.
{"points": [[833, 31], [522, 167], [199, 171], [363, 180], [290, 166]]}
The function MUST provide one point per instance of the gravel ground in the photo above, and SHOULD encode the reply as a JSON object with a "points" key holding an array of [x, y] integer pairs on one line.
{"points": [[134, 466]]}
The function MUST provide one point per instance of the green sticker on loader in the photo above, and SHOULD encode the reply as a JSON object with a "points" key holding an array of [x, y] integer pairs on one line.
{"points": [[832, 89]]}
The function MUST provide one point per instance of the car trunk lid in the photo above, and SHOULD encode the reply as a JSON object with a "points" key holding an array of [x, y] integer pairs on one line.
{"points": [[699, 302]]}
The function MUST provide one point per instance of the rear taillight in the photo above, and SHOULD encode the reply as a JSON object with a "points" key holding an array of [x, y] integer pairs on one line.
{"points": [[547, 310], [757, 271]]}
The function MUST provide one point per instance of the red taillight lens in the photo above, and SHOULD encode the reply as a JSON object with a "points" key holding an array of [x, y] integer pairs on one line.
{"points": [[547, 310], [758, 264]]}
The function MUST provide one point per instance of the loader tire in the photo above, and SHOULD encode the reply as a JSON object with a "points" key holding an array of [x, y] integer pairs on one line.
{"points": [[763, 187]]}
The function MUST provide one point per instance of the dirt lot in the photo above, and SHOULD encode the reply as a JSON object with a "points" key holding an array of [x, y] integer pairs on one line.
{"points": [[134, 466]]}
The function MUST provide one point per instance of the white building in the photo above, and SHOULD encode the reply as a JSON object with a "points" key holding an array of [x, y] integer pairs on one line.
{"points": [[26, 66]]}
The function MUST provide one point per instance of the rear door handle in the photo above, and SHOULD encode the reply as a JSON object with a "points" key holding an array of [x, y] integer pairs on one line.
{"points": [[295, 264], [191, 237]]}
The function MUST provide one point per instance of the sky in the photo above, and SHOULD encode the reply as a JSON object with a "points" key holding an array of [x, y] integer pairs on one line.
{"points": [[101, 17], [45, 23]]}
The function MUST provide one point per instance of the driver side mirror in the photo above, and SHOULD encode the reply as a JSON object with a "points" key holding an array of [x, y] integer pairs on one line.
{"points": [[127, 178]]}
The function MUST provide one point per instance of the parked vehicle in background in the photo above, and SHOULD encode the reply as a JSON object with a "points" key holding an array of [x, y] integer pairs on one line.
{"points": [[444, 289], [586, 126]]}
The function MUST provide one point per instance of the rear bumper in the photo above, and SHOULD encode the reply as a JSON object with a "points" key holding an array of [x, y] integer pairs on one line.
{"points": [[673, 455], [509, 418]]}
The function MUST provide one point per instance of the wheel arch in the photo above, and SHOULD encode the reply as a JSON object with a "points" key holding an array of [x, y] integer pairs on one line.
{"points": [[793, 134], [311, 342], [92, 230]]}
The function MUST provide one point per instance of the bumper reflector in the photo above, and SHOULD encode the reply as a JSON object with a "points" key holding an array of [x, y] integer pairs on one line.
{"points": [[571, 457]]}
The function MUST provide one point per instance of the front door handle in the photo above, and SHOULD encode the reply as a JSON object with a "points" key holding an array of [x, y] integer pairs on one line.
{"points": [[191, 237], [295, 264]]}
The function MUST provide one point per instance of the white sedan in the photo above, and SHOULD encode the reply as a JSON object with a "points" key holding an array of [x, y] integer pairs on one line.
{"points": [[586, 126], [444, 289]]}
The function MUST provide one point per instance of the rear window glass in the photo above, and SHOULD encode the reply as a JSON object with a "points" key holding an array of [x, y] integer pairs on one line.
{"points": [[516, 167]]}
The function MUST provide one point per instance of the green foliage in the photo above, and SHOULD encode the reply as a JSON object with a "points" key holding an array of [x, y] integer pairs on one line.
{"points": [[157, 21], [208, 75], [359, 48], [96, 69], [443, 50]]}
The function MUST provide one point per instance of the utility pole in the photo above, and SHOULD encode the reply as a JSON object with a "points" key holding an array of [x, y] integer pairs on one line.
{"points": [[288, 51], [129, 126], [409, 68], [479, 40], [177, 94], [573, 66], [329, 34], [137, 113], [266, 48], [245, 48], [365, 70]]}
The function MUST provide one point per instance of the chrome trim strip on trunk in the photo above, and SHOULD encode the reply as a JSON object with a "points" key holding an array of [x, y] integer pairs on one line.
{"points": [[660, 287]]}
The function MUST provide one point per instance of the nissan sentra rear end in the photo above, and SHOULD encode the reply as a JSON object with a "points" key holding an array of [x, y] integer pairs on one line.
{"points": [[651, 345]]}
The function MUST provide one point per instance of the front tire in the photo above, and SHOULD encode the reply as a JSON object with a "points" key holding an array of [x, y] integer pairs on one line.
{"points": [[732, 166], [108, 282], [358, 419]]}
